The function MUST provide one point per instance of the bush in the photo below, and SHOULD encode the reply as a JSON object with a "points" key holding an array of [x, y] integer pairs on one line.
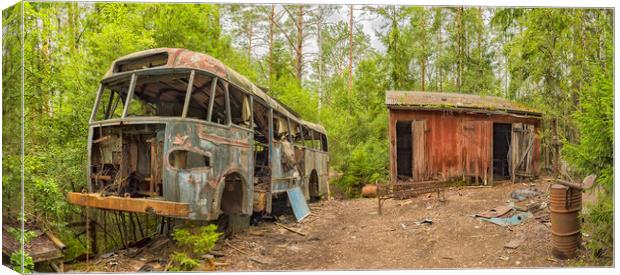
{"points": [[17, 256], [594, 153], [182, 262], [367, 164], [198, 242]]}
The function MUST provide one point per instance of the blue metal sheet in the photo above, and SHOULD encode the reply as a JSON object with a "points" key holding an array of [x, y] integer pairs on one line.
{"points": [[298, 203], [514, 220]]}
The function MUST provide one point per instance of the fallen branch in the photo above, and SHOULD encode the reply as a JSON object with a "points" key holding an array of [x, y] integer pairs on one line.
{"points": [[290, 229], [258, 260], [235, 248]]}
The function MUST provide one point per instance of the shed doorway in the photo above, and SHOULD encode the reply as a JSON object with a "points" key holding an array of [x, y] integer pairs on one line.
{"points": [[502, 133], [404, 149]]}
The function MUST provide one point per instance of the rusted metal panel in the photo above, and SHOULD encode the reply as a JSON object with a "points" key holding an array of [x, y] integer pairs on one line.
{"points": [[316, 161], [228, 151], [202, 188], [159, 207]]}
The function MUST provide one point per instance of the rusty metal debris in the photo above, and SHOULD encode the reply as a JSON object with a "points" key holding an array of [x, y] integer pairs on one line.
{"points": [[498, 211], [522, 194]]}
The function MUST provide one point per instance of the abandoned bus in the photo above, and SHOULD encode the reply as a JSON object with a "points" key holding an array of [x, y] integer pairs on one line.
{"points": [[178, 134]]}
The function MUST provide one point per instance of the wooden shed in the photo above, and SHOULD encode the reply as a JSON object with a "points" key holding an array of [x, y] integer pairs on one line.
{"points": [[443, 136]]}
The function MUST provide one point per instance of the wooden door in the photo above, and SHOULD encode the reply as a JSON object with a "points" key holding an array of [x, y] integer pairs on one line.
{"points": [[521, 150], [477, 148], [419, 152]]}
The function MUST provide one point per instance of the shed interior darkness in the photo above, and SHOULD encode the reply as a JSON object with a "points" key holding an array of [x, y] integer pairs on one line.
{"points": [[501, 144], [404, 149]]}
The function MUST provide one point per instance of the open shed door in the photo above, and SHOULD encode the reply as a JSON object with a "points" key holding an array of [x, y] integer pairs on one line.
{"points": [[419, 156], [477, 149], [521, 150]]}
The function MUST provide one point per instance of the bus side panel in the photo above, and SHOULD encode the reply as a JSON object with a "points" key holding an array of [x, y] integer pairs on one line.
{"points": [[201, 185], [323, 171], [316, 161]]}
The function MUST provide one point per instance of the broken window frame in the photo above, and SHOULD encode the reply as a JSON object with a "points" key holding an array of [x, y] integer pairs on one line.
{"points": [[206, 155], [133, 75], [250, 101], [324, 144]]}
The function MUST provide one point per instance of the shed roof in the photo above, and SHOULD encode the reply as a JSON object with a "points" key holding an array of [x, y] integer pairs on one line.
{"points": [[183, 58], [443, 101]]}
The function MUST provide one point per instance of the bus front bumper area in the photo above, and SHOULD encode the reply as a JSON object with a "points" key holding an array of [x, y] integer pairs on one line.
{"points": [[138, 205]]}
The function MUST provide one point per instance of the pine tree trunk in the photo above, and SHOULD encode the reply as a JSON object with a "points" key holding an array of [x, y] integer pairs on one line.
{"points": [[479, 38], [459, 46], [250, 37], [272, 16], [439, 69], [319, 42], [350, 48], [423, 57], [299, 46]]}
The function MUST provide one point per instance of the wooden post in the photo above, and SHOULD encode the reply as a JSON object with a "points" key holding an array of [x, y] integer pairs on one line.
{"points": [[379, 200]]}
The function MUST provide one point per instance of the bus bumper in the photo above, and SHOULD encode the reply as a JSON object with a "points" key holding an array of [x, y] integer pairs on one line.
{"points": [[138, 205]]}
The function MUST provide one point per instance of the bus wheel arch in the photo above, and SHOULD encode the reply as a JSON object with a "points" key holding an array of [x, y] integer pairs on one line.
{"points": [[233, 194], [313, 186]]}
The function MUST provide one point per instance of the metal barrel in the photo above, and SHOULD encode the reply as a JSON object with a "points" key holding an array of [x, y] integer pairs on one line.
{"points": [[369, 191], [565, 206]]}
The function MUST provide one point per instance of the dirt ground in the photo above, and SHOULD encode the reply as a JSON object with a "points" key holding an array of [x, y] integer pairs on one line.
{"points": [[349, 234]]}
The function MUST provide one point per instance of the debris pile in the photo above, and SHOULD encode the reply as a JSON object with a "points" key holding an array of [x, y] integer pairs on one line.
{"points": [[524, 204]]}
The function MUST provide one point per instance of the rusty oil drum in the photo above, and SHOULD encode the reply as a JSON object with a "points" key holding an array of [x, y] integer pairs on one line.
{"points": [[369, 191], [565, 206]]}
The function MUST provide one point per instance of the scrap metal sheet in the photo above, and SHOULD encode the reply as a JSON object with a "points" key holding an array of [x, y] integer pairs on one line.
{"points": [[298, 203]]}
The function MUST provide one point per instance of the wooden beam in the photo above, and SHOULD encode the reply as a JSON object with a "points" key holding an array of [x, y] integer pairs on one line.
{"points": [[138, 205]]}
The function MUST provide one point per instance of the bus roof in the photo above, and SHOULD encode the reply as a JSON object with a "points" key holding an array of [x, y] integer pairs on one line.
{"points": [[183, 58]]}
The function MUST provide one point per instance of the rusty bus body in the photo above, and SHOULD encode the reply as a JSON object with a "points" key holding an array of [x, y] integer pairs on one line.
{"points": [[178, 134]]}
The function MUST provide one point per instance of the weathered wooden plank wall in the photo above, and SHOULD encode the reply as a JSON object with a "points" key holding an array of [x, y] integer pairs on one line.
{"points": [[451, 149]]}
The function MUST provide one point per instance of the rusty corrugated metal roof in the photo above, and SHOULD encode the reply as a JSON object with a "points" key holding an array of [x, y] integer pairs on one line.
{"points": [[183, 58], [446, 101]]}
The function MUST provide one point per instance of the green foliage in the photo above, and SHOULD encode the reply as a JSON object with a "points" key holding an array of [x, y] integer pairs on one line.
{"points": [[17, 234], [26, 266], [357, 126], [199, 241], [367, 164], [594, 154], [22, 262], [182, 262]]}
